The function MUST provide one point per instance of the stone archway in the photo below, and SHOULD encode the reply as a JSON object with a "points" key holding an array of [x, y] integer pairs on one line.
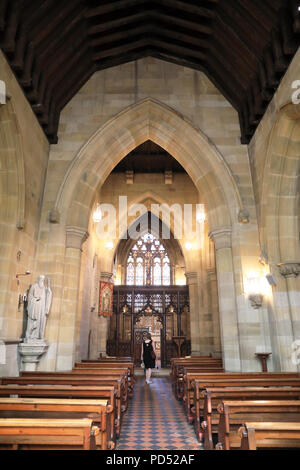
{"points": [[148, 120], [70, 217], [280, 229]]}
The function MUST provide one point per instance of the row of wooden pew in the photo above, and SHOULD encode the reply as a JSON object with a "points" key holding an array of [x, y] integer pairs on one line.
{"points": [[80, 409], [238, 410]]}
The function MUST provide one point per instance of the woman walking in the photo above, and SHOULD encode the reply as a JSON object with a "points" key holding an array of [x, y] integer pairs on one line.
{"points": [[148, 357]]}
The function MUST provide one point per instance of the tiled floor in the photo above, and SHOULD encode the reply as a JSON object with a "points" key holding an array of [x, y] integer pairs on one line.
{"points": [[155, 420]]}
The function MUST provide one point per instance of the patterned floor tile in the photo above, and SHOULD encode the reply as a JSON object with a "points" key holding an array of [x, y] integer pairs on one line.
{"points": [[155, 420]]}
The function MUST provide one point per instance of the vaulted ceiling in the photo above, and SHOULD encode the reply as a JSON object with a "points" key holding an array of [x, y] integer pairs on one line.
{"points": [[243, 46]]}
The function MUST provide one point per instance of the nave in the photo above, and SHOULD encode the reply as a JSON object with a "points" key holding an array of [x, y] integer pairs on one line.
{"points": [[155, 420]]}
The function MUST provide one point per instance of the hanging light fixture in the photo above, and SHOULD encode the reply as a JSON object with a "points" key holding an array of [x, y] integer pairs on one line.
{"points": [[97, 215]]}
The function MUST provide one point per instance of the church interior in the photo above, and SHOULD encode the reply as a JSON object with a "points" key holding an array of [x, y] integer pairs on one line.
{"points": [[149, 190]]}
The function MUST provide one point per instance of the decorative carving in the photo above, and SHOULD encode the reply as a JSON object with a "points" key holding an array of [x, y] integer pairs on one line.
{"points": [[221, 237], [76, 236], [54, 216], [256, 300], [243, 216], [263, 259], [289, 268]]}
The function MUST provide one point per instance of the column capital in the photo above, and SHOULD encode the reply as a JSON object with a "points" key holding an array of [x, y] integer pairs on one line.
{"points": [[75, 237], [212, 274], [221, 237], [289, 269], [106, 276], [191, 278]]}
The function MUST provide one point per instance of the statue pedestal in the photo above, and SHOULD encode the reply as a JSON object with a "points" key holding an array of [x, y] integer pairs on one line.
{"points": [[31, 351]]}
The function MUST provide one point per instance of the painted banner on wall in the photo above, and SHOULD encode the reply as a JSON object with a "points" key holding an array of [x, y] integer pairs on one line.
{"points": [[106, 298]]}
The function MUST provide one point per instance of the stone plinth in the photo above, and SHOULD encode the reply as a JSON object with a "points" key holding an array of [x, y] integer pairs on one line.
{"points": [[31, 352]]}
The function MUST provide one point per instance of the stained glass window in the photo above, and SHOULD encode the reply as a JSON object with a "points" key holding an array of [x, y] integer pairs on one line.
{"points": [[148, 263]]}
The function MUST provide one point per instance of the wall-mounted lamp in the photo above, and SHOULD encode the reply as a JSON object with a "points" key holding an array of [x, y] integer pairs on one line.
{"points": [[200, 217], [256, 287], [188, 246], [97, 214], [109, 245]]}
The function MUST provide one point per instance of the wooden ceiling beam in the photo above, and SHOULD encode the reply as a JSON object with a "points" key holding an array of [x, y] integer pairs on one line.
{"points": [[113, 7], [122, 48], [194, 9], [232, 95], [192, 26], [123, 21]]}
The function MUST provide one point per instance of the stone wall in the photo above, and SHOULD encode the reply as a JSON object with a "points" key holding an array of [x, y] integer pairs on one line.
{"points": [[24, 152]]}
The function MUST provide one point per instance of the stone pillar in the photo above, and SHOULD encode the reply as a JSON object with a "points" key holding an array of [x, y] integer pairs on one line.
{"points": [[227, 299], [192, 282], [69, 324], [290, 328], [214, 305]]}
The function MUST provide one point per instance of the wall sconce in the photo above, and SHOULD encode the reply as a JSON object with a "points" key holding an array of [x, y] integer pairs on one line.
{"points": [[109, 245], [256, 300], [97, 214], [188, 246], [200, 217], [255, 288]]}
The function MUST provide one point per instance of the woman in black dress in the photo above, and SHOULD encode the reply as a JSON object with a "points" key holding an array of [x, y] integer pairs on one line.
{"points": [[147, 356]]}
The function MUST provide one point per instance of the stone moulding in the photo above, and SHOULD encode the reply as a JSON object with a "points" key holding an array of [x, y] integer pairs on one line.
{"points": [[289, 268]]}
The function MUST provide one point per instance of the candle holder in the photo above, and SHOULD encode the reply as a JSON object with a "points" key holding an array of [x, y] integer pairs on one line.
{"points": [[263, 357]]}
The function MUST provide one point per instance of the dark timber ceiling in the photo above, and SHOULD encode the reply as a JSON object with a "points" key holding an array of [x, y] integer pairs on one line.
{"points": [[149, 158], [243, 46]]}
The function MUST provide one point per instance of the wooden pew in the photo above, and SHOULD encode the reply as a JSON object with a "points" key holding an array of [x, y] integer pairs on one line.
{"points": [[78, 380], [106, 365], [269, 435], [206, 413], [56, 391], [204, 361], [88, 375], [180, 370], [191, 378], [48, 434], [53, 408], [233, 414]]}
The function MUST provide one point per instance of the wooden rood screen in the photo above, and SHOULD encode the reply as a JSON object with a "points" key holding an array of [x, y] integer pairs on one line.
{"points": [[170, 307]]}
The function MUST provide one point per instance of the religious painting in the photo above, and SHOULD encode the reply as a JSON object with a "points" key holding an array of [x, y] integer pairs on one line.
{"points": [[106, 298]]}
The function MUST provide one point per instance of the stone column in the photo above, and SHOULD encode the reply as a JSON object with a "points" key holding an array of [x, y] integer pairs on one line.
{"points": [[192, 282], [214, 305], [289, 330], [227, 299], [69, 325]]}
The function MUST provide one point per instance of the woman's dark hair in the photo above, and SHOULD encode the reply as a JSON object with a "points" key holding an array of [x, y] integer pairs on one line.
{"points": [[148, 336]]}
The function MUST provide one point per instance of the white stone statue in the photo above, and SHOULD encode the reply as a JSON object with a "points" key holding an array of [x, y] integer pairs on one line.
{"points": [[38, 306]]}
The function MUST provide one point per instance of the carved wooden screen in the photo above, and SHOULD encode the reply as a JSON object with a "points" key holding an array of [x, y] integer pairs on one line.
{"points": [[170, 306]]}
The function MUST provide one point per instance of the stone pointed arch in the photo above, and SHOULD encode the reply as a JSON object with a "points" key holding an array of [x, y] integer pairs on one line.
{"points": [[280, 193], [148, 120]]}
